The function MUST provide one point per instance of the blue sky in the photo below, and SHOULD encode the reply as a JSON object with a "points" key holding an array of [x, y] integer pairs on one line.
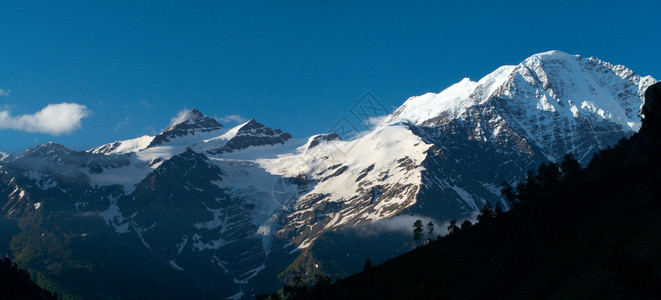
{"points": [[295, 65]]}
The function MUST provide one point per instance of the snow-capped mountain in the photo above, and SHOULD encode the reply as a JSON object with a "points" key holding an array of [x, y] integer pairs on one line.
{"points": [[238, 206]]}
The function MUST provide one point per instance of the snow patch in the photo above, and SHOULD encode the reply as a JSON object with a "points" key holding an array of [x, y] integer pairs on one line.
{"points": [[175, 266]]}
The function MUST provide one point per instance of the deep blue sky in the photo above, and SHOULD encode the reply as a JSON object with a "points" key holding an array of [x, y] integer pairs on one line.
{"points": [[294, 65]]}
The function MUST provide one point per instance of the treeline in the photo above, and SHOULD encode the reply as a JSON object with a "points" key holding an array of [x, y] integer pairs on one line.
{"points": [[15, 283], [551, 181]]}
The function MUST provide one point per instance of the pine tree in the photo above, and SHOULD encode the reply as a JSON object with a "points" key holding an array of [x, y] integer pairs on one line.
{"points": [[368, 265], [486, 213], [548, 174], [321, 281], [571, 169], [499, 210], [417, 232], [430, 228], [466, 224], [509, 194], [531, 189], [452, 228]]}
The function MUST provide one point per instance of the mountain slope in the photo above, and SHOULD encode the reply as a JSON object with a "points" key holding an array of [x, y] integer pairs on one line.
{"points": [[594, 238], [231, 209], [443, 156]]}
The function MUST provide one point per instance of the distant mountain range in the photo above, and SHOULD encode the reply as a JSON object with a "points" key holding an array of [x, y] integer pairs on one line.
{"points": [[231, 212]]}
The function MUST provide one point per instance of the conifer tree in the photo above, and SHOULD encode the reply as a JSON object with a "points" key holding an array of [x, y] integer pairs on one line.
{"points": [[368, 265], [570, 168], [321, 281], [499, 210], [509, 194], [417, 232], [453, 228], [487, 213], [430, 228], [466, 224]]}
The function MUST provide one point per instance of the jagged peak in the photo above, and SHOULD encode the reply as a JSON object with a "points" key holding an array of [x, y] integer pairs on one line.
{"points": [[250, 125], [192, 117], [187, 122], [540, 80], [49, 146]]}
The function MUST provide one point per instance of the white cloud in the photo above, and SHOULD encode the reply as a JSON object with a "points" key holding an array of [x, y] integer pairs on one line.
{"points": [[54, 119], [404, 224], [122, 123], [4, 92], [376, 121], [401, 223], [232, 119], [182, 115], [370, 124]]}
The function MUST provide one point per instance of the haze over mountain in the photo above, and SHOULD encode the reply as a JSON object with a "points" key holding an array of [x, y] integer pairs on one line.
{"points": [[231, 211]]}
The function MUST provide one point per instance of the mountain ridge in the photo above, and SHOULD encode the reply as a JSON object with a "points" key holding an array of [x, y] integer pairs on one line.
{"points": [[257, 201]]}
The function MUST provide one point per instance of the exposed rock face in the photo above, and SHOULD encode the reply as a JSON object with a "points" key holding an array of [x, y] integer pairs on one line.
{"points": [[190, 124], [253, 134], [227, 210], [321, 138]]}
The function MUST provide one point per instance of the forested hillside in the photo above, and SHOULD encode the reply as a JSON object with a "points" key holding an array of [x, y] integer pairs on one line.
{"points": [[572, 233]]}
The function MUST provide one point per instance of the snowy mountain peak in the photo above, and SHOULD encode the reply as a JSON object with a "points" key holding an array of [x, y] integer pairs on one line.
{"points": [[49, 148], [192, 116], [188, 127], [228, 204], [570, 86], [248, 134], [250, 125], [186, 123], [557, 54]]}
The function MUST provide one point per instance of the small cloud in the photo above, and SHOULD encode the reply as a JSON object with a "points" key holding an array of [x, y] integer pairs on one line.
{"points": [[182, 115], [144, 104], [4, 92], [401, 223], [54, 119], [375, 121], [369, 125], [232, 119], [122, 123]]}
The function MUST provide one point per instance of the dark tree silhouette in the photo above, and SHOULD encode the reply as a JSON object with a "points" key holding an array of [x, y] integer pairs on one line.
{"points": [[466, 224], [417, 231], [321, 281], [452, 228], [571, 169], [548, 174], [531, 189], [499, 210], [430, 228], [509, 194], [368, 265], [486, 213], [15, 283]]}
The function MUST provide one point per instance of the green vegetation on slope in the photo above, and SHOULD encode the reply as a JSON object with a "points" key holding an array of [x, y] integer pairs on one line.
{"points": [[15, 283]]}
